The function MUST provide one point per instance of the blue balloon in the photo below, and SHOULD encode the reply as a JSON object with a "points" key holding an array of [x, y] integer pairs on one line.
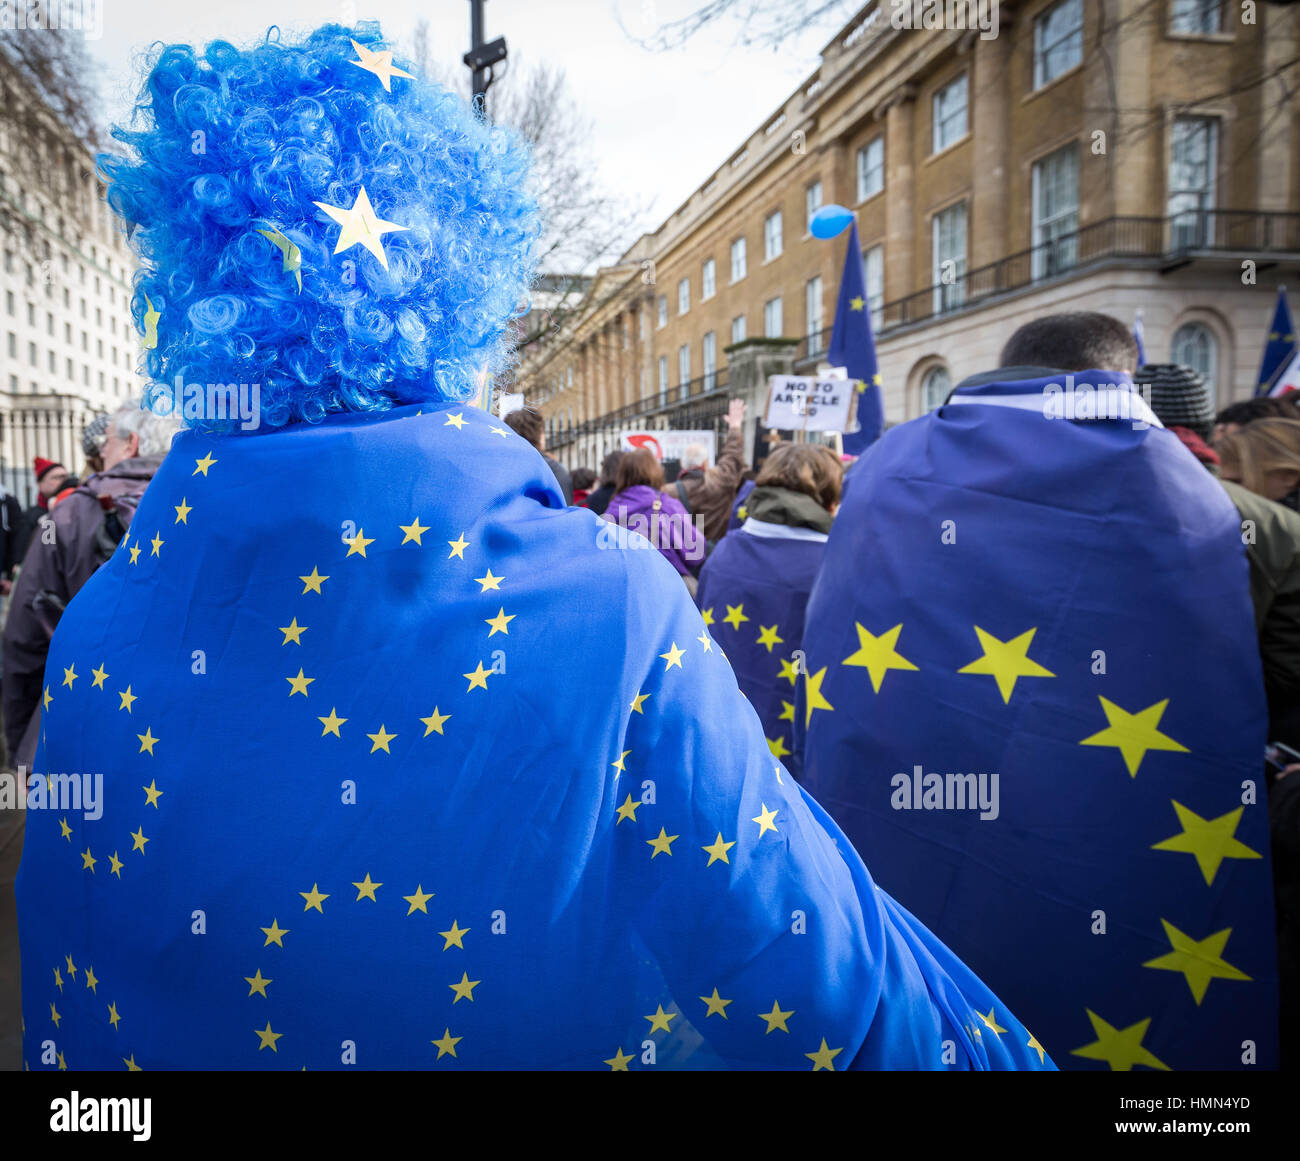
{"points": [[829, 221]]}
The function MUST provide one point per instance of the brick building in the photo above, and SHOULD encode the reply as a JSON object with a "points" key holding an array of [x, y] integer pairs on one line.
{"points": [[1117, 155]]}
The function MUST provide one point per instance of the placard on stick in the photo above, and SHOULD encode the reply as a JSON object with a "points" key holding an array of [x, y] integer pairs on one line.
{"points": [[805, 403]]}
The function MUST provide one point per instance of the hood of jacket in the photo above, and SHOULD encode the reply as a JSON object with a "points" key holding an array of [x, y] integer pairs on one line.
{"points": [[774, 505]]}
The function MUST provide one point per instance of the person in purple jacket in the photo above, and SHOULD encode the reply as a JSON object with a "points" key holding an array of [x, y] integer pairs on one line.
{"points": [[640, 505]]}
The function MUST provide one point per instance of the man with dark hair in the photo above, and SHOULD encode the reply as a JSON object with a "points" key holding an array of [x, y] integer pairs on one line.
{"points": [[1076, 341], [528, 423], [1057, 612], [599, 500]]}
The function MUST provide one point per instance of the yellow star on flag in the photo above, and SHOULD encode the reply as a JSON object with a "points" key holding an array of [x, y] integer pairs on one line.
{"points": [[489, 581], [183, 511], [856, 302], [202, 466], [130, 1063], [618, 762], [299, 684], [147, 741], [381, 740], [878, 655], [766, 821], [777, 746], [70, 675], [312, 583], [458, 547], [823, 1057], [275, 934], [434, 722], [46, 698], [500, 623], [718, 850], [88, 861], [413, 531], [361, 226], [267, 1037], [379, 63], [789, 670], [55, 1014], [661, 1020], [767, 636], [776, 1018], [157, 543], [1133, 734], [990, 1021], [357, 544], [134, 551], [627, 810], [98, 675], [787, 711], [152, 793], [457, 421], [1199, 961], [1121, 1049], [465, 989], [257, 984], [91, 982], [477, 679], [115, 864], [1005, 661], [138, 840], [735, 615], [453, 936], [313, 898], [65, 830], [330, 725], [418, 901], [292, 632], [128, 699], [366, 889], [113, 1017], [618, 1062], [717, 1005], [662, 844], [638, 701], [703, 639], [447, 1044], [707, 614], [673, 657], [1032, 1042], [72, 967], [813, 695]]}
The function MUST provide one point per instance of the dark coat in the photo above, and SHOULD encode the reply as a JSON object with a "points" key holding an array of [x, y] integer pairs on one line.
{"points": [[57, 564], [711, 493], [599, 500]]}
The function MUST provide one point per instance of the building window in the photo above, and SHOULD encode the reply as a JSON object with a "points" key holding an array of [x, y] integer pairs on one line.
{"points": [[708, 280], [812, 202], [738, 260], [772, 236], [1056, 212], [1195, 346], [871, 168], [874, 261], [738, 329], [663, 311], [683, 296], [1193, 158], [710, 354], [949, 114], [31, 353], [1196, 17], [645, 382], [13, 345], [935, 388], [812, 298], [1058, 41], [9, 302], [684, 369], [773, 324], [663, 379], [949, 250]]}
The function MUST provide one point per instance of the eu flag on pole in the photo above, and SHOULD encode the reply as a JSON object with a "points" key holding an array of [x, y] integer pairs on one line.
{"points": [[1280, 345], [1139, 337], [854, 348], [385, 787], [1043, 718]]}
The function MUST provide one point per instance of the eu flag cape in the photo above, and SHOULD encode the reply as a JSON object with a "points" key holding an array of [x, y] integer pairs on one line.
{"points": [[401, 770], [1034, 699], [753, 592]]}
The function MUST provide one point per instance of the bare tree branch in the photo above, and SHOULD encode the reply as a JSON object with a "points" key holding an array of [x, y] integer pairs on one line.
{"points": [[758, 23]]}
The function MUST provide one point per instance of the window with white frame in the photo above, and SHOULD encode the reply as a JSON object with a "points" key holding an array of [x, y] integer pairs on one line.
{"points": [[663, 310], [935, 388], [1195, 346], [949, 249], [949, 114], [772, 244], [684, 368], [1196, 17], [1058, 41], [1193, 160], [710, 355], [1056, 212], [738, 328], [812, 296], [738, 260], [871, 168], [874, 262], [773, 323], [812, 202], [683, 296], [708, 280]]}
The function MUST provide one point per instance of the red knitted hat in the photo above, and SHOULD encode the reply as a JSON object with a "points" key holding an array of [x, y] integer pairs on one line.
{"points": [[40, 467]]}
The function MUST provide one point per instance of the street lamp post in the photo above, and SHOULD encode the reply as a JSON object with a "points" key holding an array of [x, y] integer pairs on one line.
{"points": [[482, 56]]}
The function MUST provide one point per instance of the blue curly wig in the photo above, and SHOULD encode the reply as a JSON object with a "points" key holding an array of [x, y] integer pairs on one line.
{"points": [[232, 149]]}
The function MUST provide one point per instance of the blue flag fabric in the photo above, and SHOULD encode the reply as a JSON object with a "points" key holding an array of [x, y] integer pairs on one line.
{"points": [[1280, 344], [853, 348], [1139, 337], [401, 771], [1043, 717], [739, 513], [753, 593]]}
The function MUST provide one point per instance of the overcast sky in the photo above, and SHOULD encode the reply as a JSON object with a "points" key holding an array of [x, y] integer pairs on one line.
{"points": [[663, 121]]}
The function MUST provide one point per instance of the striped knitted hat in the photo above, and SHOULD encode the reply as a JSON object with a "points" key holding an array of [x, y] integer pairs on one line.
{"points": [[1178, 395], [92, 435]]}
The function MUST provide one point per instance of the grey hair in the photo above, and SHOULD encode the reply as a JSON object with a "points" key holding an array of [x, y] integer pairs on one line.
{"points": [[155, 432], [695, 456]]}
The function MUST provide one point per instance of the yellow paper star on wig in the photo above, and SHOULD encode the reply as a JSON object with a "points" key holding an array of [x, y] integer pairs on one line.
{"points": [[361, 226], [379, 63], [292, 255]]}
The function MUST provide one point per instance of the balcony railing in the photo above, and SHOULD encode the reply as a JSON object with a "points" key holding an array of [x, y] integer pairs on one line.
{"points": [[690, 403]]}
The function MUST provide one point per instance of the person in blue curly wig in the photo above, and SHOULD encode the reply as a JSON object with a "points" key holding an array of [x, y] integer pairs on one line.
{"points": [[345, 797]]}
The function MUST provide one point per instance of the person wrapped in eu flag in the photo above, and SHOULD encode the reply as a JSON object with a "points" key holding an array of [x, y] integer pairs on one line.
{"points": [[1034, 695], [352, 815]]}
